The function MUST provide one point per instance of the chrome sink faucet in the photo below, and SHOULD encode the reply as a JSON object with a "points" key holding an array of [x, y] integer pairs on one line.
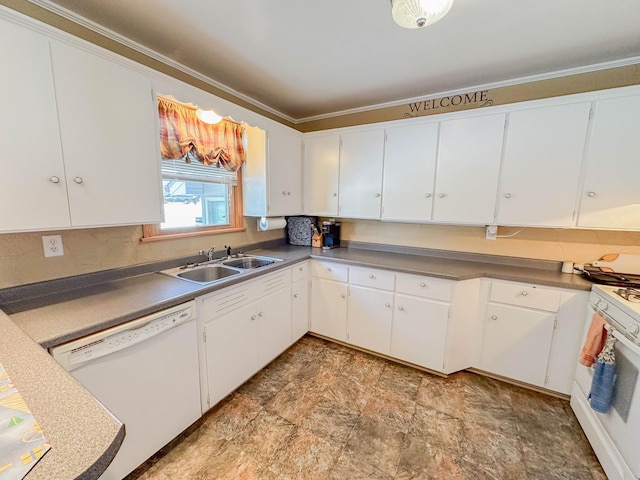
{"points": [[209, 253]]}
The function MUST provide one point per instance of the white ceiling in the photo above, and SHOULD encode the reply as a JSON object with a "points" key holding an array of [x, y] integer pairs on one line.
{"points": [[306, 58]]}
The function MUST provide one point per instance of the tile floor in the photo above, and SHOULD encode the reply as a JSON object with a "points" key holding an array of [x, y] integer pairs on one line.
{"points": [[324, 411]]}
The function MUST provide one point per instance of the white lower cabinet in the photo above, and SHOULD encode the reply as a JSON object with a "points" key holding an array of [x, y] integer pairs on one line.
{"points": [[370, 314], [245, 327], [532, 334], [329, 308], [299, 300], [420, 331]]}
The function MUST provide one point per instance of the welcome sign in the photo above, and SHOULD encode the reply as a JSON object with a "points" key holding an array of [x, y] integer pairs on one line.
{"points": [[463, 101]]}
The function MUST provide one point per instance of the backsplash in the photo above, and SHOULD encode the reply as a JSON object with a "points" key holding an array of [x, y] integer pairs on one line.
{"points": [[540, 243], [22, 260]]}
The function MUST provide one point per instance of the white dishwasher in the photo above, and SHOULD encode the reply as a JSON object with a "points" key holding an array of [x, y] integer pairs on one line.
{"points": [[146, 373]]}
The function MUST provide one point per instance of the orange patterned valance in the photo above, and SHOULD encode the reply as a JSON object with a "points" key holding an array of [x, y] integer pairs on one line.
{"points": [[184, 136]]}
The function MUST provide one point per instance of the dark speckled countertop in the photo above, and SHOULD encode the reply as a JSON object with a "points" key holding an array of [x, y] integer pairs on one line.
{"points": [[54, 312]]}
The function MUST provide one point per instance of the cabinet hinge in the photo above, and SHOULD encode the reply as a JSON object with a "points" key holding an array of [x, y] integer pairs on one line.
{"points": [[591, 113], [204, 336], [546, 379], [555, 323], [208, 400], [573, 215]]}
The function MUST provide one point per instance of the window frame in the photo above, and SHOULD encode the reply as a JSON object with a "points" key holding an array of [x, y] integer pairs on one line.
{"points": [[153, 232]]}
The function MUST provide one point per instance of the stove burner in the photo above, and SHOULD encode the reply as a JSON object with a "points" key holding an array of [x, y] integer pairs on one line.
{"points": [[629, 294]]}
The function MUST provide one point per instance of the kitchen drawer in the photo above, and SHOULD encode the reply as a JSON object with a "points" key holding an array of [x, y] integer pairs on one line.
{"points": [[427, 287], [526, 295], [330, 271], [300, 271], [370, 277], [228, 299], [274, 281]]}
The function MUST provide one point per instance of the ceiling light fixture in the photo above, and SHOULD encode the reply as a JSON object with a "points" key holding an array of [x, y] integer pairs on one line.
{"points": [[208, 116], [419, 13]]}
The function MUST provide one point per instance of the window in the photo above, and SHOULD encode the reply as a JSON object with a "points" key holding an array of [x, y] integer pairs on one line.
{"points": [[201, 174]]}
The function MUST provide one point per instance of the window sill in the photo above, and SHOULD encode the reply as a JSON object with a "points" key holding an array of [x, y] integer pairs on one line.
{"points": [[197, 233]]}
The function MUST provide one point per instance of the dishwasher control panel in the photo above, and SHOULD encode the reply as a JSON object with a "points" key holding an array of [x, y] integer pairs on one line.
{"points": [[73, 354]]}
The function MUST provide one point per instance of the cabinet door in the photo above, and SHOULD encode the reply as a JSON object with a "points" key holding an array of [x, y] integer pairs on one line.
{"points": [[231, 351], [517, 343], [321, 161], [541, 166], [419, 331], [611, 197], [469, 156], [369, 314], [299, 309], [284, 172], [33, 194], [108, 128], [274, 325], [329, 308], [409, 172], [361, 156]]}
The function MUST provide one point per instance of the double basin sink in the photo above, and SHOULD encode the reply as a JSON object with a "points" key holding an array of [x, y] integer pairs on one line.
{"points": [[216, 270]]}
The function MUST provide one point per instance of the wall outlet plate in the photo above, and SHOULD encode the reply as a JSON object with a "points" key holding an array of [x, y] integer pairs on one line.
{"points": [[52, 245], [492, 232]]}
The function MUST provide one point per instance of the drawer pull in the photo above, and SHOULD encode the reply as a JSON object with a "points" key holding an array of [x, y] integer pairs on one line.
{"points": [[295, 295], [400, 307], [494, 317], [253, 317], [422, 284], [328, 269], [371, 275], [524, 293], [342, 295], [387, 305]]}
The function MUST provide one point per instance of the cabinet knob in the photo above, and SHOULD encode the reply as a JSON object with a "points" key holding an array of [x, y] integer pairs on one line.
{"points": [[400, 307], [342, 295], [591, 194], [253, 317], [78, 180], [54, 179], [300, 268], [288, 193], [334, 194], [260, 314], [427, 195], [524, 293], [295, 295], [422, 284], [371, 275], [494, 317], [328, 269], [376, 195], [284, 193], [507, 195], [442, 195], [387, 305]]}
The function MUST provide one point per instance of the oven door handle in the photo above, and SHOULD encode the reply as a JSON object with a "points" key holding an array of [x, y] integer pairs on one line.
{"points": [[624, 340]]}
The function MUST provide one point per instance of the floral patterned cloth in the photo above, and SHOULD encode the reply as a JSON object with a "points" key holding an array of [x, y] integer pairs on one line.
{"points": [[22, 443]]}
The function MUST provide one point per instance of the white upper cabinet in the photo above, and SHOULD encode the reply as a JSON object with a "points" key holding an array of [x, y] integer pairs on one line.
{"points": [[108, 121], [33, 194], [321, 161], [361, 157], [409, 172], [611, 194], [273, 178], [541, 165], [470, 151]]}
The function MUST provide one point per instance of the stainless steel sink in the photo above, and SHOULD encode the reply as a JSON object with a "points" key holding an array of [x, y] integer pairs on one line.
{"points": [[203, 274], [250, 262]]}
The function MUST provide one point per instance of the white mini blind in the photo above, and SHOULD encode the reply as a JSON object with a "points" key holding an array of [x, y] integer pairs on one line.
{"points": [[197, 172]]}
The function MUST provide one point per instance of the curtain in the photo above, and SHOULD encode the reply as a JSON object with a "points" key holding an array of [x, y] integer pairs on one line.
{"points": [[184, 136]]}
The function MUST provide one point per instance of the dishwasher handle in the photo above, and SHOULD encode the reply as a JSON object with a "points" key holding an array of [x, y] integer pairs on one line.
{"points": [[78, 352]]}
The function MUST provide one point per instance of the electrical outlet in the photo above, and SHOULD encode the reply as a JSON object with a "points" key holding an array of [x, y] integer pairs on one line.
{"points": [[52, 245], [492, 232]]}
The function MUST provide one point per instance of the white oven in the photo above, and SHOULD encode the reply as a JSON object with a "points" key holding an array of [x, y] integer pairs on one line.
{"points": [[614, 436]]}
